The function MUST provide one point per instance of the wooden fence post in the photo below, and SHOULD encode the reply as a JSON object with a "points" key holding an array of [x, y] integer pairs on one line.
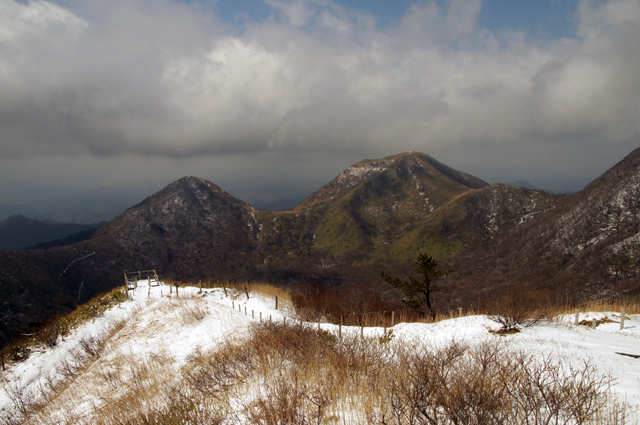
{"points": [[362, 331], [269, 318], [245, 311], [340, 328], [577, 319], [233, 305], [459, 311], [225, 290], [393, 318], [594, 323], [246, 290], [253, 316], [260, 317], [622, 318], [276, 302], [284, 320]]}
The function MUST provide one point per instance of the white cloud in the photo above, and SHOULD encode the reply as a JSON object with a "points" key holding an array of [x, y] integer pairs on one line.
{"points": [[163, 78]]}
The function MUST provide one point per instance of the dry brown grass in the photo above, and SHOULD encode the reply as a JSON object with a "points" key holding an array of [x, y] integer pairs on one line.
{"points": [[94, 308], [60, 326], [293, 374], [34, 405], [267, 289], [601, 306]]}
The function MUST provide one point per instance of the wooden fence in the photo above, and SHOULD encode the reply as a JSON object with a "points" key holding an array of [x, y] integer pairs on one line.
{"points": [[131, 279]]}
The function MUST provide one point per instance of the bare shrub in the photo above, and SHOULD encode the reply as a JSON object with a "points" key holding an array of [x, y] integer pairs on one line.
{"points": [[48, 335], [584, 391], [293, 374], [29, 402], [312, 301], [266, 289], [19, 352], [489, 383], [418, 393], [92, 345], [192, 310], [282, 404], [178, 410], [516, 307], [477, 388], [23, 403], [213, 374]]}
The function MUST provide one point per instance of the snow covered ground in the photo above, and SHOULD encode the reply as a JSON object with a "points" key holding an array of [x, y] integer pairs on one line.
{"points": [[156, 327]]}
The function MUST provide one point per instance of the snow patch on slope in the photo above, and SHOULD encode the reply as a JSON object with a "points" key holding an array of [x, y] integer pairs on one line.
{"points": [[156, 330]]}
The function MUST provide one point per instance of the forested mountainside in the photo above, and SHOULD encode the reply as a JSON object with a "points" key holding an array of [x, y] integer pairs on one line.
{"points": [[588, 245], [376, 214]]}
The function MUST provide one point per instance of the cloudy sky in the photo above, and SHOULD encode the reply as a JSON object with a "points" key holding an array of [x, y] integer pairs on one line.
{"points": [[284, 94]]}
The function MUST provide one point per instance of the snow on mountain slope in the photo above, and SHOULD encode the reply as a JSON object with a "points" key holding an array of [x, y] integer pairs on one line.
{"points": [[150, 338]]}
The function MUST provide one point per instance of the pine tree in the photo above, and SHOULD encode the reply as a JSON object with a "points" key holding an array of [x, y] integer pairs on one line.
{"points": [[418, 289]]}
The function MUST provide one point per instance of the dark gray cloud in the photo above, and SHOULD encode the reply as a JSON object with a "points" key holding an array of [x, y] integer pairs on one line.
{"points": [[158, 79]]}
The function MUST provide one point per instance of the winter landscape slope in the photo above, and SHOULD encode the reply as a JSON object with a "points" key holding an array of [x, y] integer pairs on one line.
{"points": [[376, 214], [151, 348], [589, 243]]}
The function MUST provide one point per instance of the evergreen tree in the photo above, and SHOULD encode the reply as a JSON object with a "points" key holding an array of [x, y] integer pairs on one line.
{"points": [[418, 289]]}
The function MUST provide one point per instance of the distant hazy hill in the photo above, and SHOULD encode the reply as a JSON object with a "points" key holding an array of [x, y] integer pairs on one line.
{"points": [[7, 210], [86, 207], [82, 207], [18, 232]]}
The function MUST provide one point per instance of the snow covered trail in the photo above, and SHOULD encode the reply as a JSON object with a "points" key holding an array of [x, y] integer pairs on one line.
{"points": [[162, 333]]}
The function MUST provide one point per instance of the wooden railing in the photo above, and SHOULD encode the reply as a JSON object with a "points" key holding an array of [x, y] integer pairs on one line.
{"points": [[131, 279]]}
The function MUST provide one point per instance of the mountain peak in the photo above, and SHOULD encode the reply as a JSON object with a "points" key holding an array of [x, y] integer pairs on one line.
{"points": [[194, 188], [198, 183], [427, 173]]}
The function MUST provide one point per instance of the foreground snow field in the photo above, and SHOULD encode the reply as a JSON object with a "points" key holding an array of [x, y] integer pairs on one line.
{"points": [[155, 327]]}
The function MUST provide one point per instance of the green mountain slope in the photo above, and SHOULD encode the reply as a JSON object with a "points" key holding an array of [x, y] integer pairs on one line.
{"points": [[392, 208], [375, 202], [470, 221]]}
